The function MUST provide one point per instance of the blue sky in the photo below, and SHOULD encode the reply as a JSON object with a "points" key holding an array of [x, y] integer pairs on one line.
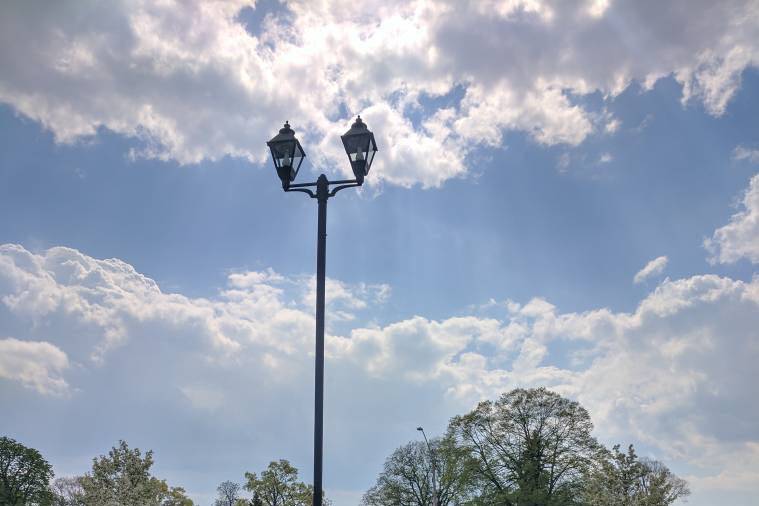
{"points": [[155, 281]]}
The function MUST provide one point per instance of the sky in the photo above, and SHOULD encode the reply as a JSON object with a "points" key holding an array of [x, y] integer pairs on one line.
{"points": [[566, 194]]}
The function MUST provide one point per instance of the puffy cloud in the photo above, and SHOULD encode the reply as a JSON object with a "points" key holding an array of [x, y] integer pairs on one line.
{"points": [[343, 300], [191, 83], [740, 237], [653, 268], [745, 153], [36, 365], [676, 374]]}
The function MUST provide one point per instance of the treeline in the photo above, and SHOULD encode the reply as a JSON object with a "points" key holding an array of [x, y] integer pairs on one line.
{"points": [[120, 478], [123, 478], [531, 447]]}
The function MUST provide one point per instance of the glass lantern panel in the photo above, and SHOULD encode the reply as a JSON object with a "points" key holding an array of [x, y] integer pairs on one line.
{"points": [[357, 148], [369, 159], [283, 153], [298, 155]]}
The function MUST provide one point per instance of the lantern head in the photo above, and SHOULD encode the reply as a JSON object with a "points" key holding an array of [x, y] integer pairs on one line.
{"points": [[360, 147], [287, 154]]}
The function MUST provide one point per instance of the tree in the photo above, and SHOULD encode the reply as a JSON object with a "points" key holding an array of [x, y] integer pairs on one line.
{"points": [[229, 492], [174, 496], [531, 447], [24, 475], [279, 486], [659, 486], [622, 479], [67, 491], [407, 476], [122, 478]]}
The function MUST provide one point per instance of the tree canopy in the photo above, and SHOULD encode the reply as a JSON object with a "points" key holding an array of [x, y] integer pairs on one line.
{"points": [[68, 491], [531, 447], [229, 492], [622, 479], [407, 476], [123, 478], [278, 485], [24, 475]]}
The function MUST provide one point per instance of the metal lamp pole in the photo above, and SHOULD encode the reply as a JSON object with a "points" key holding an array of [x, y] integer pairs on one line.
{"points": [[434, 467], [288, 155]]}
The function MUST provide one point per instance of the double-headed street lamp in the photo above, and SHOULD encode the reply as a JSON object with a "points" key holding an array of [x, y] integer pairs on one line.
{"points": [[434, 468], [288, 155]]}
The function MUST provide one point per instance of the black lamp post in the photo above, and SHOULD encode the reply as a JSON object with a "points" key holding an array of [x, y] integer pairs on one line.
{"points": [[288, 154]]}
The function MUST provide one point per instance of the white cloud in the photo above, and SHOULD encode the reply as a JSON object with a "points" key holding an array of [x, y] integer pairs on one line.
{"points": [[612, 126], [193, 91], [740, 237], [744, 153], [344, 300], [653, 268], [36, 365], [563, 161], [203, 397], [677, 374]]}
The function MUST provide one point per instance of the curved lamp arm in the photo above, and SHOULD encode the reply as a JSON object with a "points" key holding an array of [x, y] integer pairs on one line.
{"points": [[302, 190], [343, 186]]}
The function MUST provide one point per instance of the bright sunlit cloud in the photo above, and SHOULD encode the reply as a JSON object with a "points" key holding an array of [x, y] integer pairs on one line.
{"points": [[193, 91]]}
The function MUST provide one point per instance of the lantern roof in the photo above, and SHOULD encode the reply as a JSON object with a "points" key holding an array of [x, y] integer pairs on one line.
{"points": [[357, 128], [285, 134]]}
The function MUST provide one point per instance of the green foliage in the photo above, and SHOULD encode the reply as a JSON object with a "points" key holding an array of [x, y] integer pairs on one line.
{"points": [[622, 479], [122, 478], [531, 447], [407, 477], [174, 496], [278, 485], [24, 475]]}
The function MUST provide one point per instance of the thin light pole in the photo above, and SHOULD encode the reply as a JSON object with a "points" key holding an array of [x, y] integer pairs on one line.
{"points": [[434, 467], [322, 195]]}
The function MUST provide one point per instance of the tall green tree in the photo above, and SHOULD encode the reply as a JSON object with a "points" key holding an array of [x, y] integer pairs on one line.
{"points": [[622, 479], [278, 485], [24, 475], [122, 478], [531, 448], [407, 476]]}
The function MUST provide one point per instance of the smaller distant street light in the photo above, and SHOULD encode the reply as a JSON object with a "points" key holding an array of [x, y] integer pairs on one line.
{"points": [[434, 468]]}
